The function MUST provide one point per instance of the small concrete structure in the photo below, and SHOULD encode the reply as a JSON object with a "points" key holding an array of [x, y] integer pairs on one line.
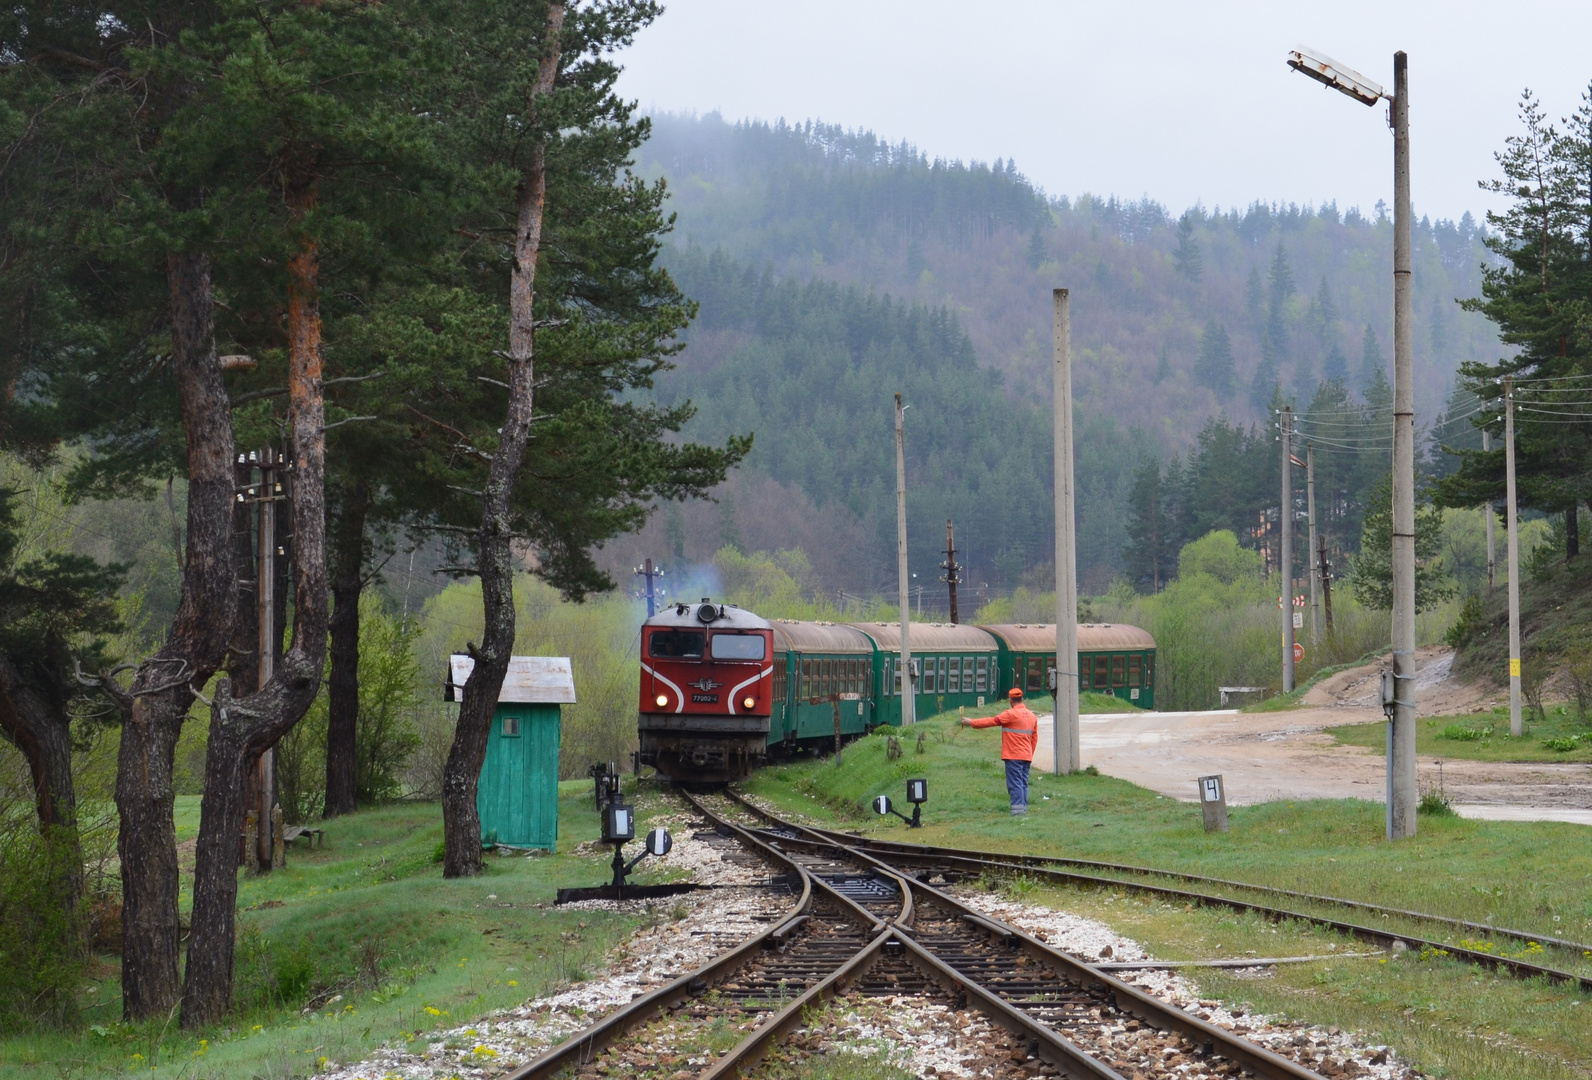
{"points": [[517, 795]]}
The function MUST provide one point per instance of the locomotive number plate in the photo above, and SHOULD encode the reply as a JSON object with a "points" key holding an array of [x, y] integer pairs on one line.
{"points": [[704, 699]]}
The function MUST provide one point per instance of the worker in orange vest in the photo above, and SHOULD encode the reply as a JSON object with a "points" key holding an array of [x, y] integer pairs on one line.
{"points": [[1019, 734]]}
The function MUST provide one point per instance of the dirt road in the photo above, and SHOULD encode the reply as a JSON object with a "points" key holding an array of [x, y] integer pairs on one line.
{"points": [[1288, 755]]}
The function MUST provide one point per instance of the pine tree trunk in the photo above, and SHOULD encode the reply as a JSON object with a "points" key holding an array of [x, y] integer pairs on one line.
{"points": [[348, 559], [241, 729], [194, 649], [461, 823]]}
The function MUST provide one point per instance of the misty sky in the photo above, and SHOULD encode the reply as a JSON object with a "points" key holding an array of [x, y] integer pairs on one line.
{"points": [[1181, 101]]}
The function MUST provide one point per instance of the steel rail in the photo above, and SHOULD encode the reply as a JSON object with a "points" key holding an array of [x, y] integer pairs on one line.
{"points": [[745, 1053], [1523, 969], [1126, 997], [584, 1045], [1270, 890]]}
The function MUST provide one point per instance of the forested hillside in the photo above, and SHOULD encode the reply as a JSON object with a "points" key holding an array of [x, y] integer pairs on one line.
{"points": [[1177, 319]]}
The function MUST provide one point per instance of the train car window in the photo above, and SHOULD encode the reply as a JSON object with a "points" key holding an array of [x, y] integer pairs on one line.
{"points": [[779, 679], [898, 668], [1036, 673], [511, 727], [738, 646], [1133, 671], [856, 676], [983, 675], [805, 690], [1149, 669], [1102, 677], [955, 685], [829, 678], [1119, 671], [676, 644]]}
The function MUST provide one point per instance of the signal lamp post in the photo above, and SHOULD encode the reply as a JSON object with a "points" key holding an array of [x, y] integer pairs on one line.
{"points": [[1401, 747]]}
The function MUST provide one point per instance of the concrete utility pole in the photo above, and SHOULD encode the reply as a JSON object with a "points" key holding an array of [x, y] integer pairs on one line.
{"points": [[953, 572], [1492, 559], [1285, 551], [1064, 729], [1512, 526], [1310, 509], [1401, 737], [909, 711], [1402, 756]]}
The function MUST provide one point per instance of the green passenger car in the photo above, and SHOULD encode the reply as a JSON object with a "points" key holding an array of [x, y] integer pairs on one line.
{"points": [[819, 667], [956, 666], [1113, 658]]}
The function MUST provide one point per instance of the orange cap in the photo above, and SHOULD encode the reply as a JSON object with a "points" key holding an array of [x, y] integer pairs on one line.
{"points": [[1015, 694]]}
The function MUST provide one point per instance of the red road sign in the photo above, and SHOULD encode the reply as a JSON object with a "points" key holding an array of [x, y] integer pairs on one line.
{"points": [[1299, 652]]}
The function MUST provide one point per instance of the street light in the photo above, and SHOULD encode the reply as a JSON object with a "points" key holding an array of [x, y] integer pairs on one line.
{"points": [[1329, 72], [1401, 736]]}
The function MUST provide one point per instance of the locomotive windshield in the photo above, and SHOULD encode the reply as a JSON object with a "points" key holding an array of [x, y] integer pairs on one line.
{"points": [[737, 646], [677, 644]]}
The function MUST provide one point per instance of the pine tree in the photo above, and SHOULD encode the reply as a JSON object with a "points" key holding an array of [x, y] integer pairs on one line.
{"points": [[1373, 365], [1255, 300], [1143, 557], [1536, 293], [1214, 368], [1187, 258], [1371, 571]]}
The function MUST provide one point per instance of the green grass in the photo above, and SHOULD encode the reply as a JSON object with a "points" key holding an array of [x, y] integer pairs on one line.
{"points": [[1555, 621], [1088, 702], [1485, 737], [1533, 875], [370, 917]]}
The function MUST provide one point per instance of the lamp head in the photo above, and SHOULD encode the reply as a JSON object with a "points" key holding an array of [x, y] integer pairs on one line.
{"points": [[1329, 72]]}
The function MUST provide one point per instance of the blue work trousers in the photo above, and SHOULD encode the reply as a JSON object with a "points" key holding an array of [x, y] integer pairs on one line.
{"points": [[1017, 785]]}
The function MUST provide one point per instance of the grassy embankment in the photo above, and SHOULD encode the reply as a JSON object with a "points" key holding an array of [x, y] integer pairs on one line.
{"points": [[1558, 736], [1448, 1018], [367, 917]]}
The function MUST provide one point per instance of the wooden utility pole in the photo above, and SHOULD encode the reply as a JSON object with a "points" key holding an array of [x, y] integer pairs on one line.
{"points": [[646, 570], [259, 856], [1324, 568], [1512, 527], [953, 573], [1310, 509], [1401, 755], [909, 712], [1492, 559], [1285, 552], [1064, 728]]}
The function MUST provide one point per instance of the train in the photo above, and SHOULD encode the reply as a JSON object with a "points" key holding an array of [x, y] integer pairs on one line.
{"points": [[722, 688]]}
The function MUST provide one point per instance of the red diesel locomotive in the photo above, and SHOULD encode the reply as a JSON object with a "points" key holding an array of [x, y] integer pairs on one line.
{"points": [[706, 691]]}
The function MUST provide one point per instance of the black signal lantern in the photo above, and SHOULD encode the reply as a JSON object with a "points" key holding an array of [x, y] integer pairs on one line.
{"points": [[917, 795], [619, 823]]}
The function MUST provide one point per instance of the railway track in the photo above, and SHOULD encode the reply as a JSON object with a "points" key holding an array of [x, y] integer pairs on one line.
{"points": [[956, 862], [858, 929]]}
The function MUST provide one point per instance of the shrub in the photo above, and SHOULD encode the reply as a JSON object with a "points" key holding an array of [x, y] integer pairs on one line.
{"points": [[1472, 620], [1435, 804], [1460, 733], [42, 953]]}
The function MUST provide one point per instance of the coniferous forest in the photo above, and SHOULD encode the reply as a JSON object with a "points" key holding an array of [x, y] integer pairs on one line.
{"points": [[1190, 328]]}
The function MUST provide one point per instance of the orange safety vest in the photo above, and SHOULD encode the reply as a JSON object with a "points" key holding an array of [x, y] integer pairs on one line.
{"points": [[1019, 732]]}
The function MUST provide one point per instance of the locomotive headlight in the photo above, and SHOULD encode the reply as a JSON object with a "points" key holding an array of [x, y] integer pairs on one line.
{"points": [[662, 699], [748, 702]]}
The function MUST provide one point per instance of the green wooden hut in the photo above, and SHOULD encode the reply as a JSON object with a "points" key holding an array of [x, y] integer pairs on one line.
{"points": [[517, 796]]}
